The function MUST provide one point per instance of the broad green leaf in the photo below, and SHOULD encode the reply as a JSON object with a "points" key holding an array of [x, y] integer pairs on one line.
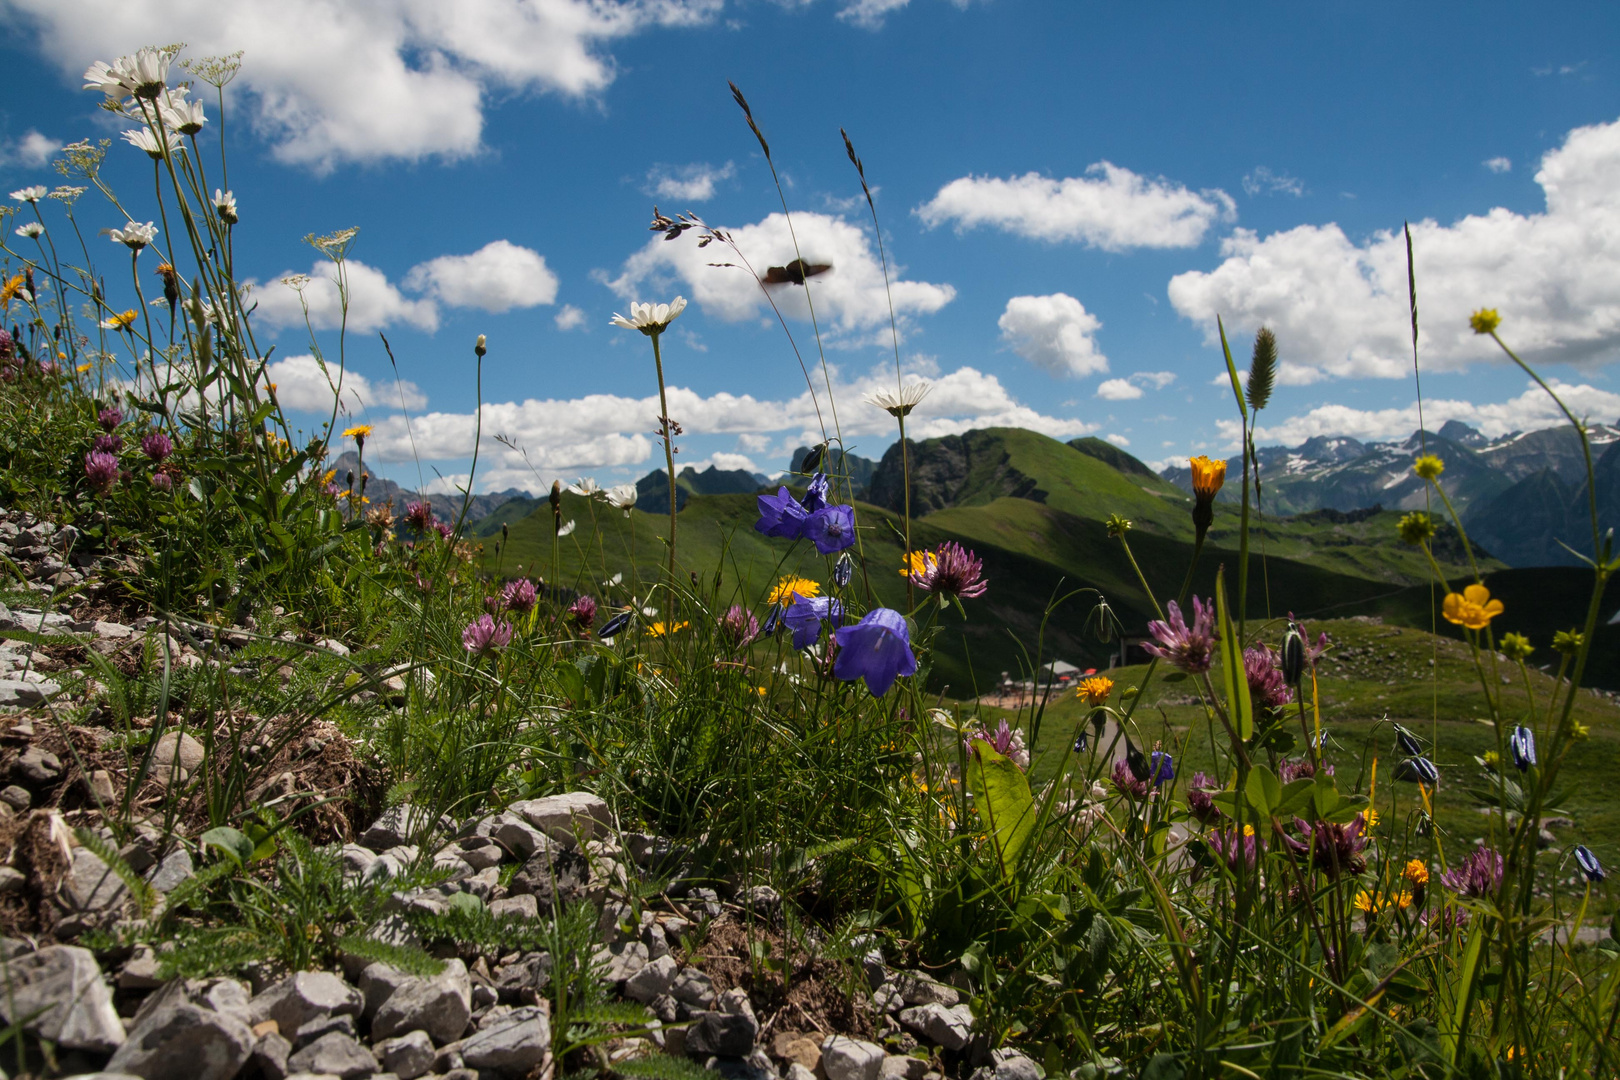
{"points": [[1239, 709], [1004, 802], [1295, 795], [1264, 790], [233, 843]]}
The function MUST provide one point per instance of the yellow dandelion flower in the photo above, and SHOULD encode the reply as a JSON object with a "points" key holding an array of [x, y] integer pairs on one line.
{"points": [[1207, 478], [1369, 818], [916, 562], [658, 629], [1094, 691], [12, 288], [1428, 466], [358, 433], [119, 321], [1485, 320], [1472, 608], [82, 368], [791, 588], [1416, 872]]}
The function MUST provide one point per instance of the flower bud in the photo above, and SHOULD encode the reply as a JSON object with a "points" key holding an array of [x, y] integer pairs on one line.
{"points": [[478, 348], [1293, 655]]}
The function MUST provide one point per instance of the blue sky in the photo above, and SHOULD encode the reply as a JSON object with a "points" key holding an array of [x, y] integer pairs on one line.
{"points": [[1257, 156]]}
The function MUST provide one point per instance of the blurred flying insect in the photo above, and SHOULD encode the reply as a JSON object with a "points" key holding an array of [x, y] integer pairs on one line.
{"points": [[794, 273]]}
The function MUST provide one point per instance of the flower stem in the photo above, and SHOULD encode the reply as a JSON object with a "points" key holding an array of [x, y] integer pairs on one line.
{"points": [[905, 477], [669, 453]]}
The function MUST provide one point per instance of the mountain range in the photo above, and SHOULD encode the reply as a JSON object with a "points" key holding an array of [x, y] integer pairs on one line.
{"points": [[1522, 497]]}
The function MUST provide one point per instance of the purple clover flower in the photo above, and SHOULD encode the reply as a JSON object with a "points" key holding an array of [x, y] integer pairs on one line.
{"points": [[109, 418], [1237, 851], [1127, 783], [107, 444], [952, 570], [519, 596], [419, 516], [485, 635], [1200, 798], [738, 627], [1268, 686], [583, 612], [1335, 849], [1006, 741], [156, 446], [1187, 648], [805, 615], [162, 481], [1289, 770], [831, 528], [877, 649], [101, 469], [1478, 876]]}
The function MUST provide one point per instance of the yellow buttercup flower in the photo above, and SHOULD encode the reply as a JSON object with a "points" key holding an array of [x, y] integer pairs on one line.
{"points": [[916, 562], [358, 433], [1472, 608], [1428, 467], [658, 629], [1207, 476], [1094, 691], [82, 368], [1517, 646], [791, 588], [1485, 320], [1371, 903]]}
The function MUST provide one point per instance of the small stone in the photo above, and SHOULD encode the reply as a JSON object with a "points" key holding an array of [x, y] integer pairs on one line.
{"points": [[844, 1058], [270, 1056], [517, 836], [140, 971], [176, 1037], [950, 1028], [523, 906], [300, 997], [356, 860], [653, 980], [483, 855], [333, 646], [408, 1056], [98, 786], [569, 819], [321, 1026], [514, 1042], [692, 987], [795, 1071], [23, 692], [762, 899], [35, 765], [401, 825], [11, 879], [90, 884], [903, 1067], [722, 1034], [336, 1054], [179, 753], [175, 868], [1010, 1064], [797, 1047], [58, 994], [16, 797], [622, 961], [441, 1005], [918, 989]]}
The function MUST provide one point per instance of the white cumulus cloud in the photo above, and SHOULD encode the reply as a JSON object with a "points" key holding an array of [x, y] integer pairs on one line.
{"points": [[849, 298], [374, 301], [1263, 181], [1118, 390], [565, 437], [329, 82], [1053, 332], [497, 277], [33, 150], [1110, 207], [688, 183], [1339, 307], [1118, 440], [570, 318], [1498, 164], [303, 385]]}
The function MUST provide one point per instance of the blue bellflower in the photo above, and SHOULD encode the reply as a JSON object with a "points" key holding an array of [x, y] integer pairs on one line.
{"points": [[781, 515], [877, 649], [1589, 864], [1523, 744], [843, 570], [1162, 767], [804, 617], [815, 497], [832, 528]]}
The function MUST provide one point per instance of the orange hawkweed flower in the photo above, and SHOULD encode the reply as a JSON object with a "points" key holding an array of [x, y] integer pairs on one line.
{"points": [[1095, 690]]}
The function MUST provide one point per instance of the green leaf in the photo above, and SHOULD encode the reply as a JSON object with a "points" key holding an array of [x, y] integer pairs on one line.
{"points": [[1264, 790], [1004, 802], [1231, 370], [232, 843], [1295, 795], [1238, 706]]}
